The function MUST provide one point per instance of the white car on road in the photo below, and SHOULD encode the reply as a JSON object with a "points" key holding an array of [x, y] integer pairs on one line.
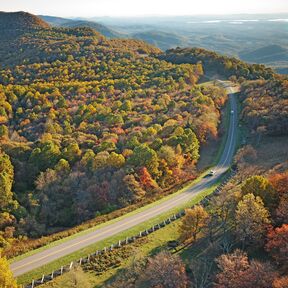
{"points": [[211, 173]]}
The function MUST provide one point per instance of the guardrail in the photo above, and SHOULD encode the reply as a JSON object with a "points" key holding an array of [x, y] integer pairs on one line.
{"points": [[63, 269]]}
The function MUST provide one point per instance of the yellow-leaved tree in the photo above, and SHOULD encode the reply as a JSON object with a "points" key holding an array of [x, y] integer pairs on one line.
{"points": [[6, 277], [194, 221]]}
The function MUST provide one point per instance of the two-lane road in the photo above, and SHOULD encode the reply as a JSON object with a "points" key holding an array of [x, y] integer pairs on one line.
{"points": [[51, 254]]}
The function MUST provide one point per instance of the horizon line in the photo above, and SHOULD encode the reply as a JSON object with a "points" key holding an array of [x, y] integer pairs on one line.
{"points": [[151, 15]]}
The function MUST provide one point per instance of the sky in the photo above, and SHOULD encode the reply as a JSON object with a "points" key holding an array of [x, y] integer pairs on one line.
{"points": [[90, 8]]}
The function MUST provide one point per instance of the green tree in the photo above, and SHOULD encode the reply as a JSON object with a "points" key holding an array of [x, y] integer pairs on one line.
{"points": [[252, 219], [127, 105], [72, 152], [62, 167], [6, 180], [45, 156], [116, 160], [168, 154], [88, 159], [3, 131], [144, 156], [260, 186]]}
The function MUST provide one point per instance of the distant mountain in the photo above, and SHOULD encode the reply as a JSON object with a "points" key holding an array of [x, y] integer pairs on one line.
{"points": [[162, 39], [73, 23], [104, 30], [20, 21], [266, 54], [54, 21]]}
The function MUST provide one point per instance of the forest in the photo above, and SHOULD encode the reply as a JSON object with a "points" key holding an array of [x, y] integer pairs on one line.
{"points": [[214, 63], [90, 126], [238, 238]]}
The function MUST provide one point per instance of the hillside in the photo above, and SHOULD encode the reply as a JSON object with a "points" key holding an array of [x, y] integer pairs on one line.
{"points": [[92, 127], [218, 64], [34, 43], [266, 54], [107, 32], [108, 112], [163, 40], [71, 23], [224, 34], [54, 21], [20, 21]]}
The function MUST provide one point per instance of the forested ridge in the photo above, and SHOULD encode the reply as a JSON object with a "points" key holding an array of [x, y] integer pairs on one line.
{"points": [[266, 106], [90, 125], [217, 63]]}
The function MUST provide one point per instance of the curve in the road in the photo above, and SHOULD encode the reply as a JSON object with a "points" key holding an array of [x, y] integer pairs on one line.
{"points": [[44, 257]]}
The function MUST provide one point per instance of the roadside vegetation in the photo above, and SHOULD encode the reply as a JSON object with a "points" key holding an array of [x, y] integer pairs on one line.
{"points": [[240, 238]]}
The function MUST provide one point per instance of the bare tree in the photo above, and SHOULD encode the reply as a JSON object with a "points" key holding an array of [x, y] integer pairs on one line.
{"points": [[165, 271], [201, 270]]}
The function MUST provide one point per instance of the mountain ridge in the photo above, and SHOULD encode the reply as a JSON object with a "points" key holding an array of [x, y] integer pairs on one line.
{"points": [[75, 23], [20, 20]]}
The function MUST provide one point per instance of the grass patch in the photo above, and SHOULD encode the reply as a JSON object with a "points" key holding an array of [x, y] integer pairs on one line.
{"points": [[37, 273], [154, 243]]}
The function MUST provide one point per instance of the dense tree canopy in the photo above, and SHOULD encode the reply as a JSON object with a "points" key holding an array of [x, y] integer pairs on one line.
{"points": [[91, 125]]}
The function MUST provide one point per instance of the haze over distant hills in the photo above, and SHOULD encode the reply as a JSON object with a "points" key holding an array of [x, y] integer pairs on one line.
{"points": [[243, 36], [72, 23]]}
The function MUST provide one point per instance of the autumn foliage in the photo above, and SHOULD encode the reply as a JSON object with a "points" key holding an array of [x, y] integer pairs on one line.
{"points": [[277, 245], [236, 271]]}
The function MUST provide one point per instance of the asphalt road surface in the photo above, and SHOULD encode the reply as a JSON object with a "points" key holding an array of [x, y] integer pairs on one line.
{"points": [[41, 258]]}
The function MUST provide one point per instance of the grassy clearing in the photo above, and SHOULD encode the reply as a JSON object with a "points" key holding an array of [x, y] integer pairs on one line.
{"points": [[26, 278], [154, 243]]}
